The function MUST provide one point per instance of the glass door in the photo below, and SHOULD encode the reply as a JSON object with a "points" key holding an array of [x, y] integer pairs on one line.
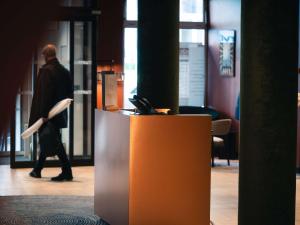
{"points": [[23, 150], [5, 147], [75, 43], [83, 86]]}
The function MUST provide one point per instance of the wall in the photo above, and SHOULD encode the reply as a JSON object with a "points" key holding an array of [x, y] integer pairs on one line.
{"points": [[110, 40], [223, 91], [110, 49]]}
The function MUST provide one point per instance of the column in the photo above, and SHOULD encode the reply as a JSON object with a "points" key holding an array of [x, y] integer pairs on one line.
{"points": [[269, 61], [158, 46]]}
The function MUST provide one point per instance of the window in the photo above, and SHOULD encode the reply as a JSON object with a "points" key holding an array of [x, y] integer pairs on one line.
{"points": [[131, 10], [191, 11], [130, 65], [191, 54], [191, 67], [76, 3]]}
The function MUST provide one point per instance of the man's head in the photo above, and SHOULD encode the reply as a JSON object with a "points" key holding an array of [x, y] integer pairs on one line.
{"points": [[49, 52]]}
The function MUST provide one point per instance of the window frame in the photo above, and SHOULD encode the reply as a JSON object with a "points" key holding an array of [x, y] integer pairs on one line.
{"points": [[185, 25]]}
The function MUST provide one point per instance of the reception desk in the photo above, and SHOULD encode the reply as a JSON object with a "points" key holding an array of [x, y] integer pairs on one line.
{"points": [[152, 169]]}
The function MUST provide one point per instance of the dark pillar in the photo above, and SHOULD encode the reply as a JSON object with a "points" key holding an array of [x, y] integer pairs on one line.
{"points": [[158, 46], [269, 61]]}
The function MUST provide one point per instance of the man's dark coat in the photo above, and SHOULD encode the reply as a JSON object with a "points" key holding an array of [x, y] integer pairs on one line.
{"points": [[54, 84]]}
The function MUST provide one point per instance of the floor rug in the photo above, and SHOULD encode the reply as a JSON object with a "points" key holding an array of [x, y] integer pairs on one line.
{"points": [[46, 210]]}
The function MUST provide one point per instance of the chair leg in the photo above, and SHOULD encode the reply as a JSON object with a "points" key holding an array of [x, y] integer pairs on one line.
{"points": [[226, 148], [228, 157], [212, 154], [212, 161]]}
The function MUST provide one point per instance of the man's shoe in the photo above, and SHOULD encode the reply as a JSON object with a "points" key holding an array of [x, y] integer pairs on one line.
{"points": [[63, 177], [35, 174]]}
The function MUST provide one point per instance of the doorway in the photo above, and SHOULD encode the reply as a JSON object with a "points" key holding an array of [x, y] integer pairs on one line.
{"points": [[75, 40]]}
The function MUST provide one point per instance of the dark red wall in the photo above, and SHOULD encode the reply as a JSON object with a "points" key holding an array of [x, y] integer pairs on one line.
{"points": [[22, 25], [223, 91], [110, 38]]}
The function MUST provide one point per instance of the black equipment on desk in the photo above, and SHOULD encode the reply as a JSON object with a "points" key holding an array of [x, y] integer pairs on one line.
{"points": [[143, 105]]}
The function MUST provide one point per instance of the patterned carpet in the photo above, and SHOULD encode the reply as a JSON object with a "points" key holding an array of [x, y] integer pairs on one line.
{"points": [[48, 210]]}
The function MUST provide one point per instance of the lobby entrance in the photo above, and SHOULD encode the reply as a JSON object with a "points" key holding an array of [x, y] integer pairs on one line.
{"points": [[75, 40]]}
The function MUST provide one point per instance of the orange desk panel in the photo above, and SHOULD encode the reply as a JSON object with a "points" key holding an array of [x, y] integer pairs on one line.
{"points": [[156, 173], [169, 170]]}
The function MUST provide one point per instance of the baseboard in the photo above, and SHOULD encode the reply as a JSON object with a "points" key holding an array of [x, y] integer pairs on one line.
{"points": [[4, 154], [7, 154]]}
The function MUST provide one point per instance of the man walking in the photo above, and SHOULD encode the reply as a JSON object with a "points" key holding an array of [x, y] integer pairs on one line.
{"points": [[54, 84]]}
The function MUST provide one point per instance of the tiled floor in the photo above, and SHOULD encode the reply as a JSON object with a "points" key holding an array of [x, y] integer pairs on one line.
{"points": [[224, 194], [17, 182], [224, 184]]}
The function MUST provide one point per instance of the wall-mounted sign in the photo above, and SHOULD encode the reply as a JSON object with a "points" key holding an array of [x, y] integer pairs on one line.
{"points": [[227, 52]]}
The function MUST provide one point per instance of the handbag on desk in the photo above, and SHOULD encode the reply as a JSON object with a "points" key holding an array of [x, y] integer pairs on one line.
{"points": [[49, 139]]}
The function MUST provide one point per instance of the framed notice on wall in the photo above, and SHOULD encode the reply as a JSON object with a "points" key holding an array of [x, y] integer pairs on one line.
{"points": [[109, 90], [227, 52]]}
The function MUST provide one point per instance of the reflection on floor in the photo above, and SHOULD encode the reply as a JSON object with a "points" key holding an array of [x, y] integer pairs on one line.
{"points": [[224, 187]]}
